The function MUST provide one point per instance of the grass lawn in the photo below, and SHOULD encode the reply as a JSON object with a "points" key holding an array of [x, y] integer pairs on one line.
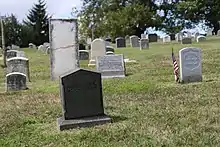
{"points": [[148, 108]]}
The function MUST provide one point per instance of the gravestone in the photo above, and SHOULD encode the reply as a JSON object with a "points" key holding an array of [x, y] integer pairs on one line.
{"points": [[64, 46], [83, 55], [143, 36], [48, 50], [31, 45], [108, 40], [120, 42], [190, 65], [172, 37], [18, 64], [109, 53], [15, 47], [201, 39], [111, 66], [218, 33], [16, 81], [134, 41], [82, 100], [152, 37], [41, 48], [196, 35], [11, 53], [166, 39], [144, 44], [187, 40], [20, 54], [109, 48], [98, 48]]}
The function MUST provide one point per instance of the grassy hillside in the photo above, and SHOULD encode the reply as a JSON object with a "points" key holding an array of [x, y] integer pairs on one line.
{"points": [[148, 108]]}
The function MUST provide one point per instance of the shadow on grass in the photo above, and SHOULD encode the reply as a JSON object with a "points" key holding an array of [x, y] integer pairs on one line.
{"points": [[128, 74], [116, 119]]}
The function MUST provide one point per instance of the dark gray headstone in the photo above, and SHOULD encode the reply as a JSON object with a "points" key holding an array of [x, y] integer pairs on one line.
{"points": [[120, 42], [15, 81], [82, 100], [111, 66], [172, 37], [110, 48], [83, 55], [152, 37], [18, 64]]}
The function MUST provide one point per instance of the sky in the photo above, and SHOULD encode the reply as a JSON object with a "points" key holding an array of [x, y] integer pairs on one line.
{"points": [[59, 8]]}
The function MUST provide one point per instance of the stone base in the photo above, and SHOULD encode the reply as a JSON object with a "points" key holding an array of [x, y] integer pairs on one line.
{"points": [[82, 122], [92, 63]]}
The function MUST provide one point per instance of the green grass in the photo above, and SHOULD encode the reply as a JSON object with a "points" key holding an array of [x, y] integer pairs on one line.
{"points": [[148, 108]]}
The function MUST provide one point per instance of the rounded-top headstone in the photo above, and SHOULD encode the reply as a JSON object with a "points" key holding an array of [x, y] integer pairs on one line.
{"points": [[15, 81], [200, 38]]}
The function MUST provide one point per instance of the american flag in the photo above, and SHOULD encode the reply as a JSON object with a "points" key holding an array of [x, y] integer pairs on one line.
{"points": [[175, 68]]}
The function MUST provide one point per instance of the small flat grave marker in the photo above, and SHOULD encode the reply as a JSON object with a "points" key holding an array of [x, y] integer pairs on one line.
{"points": [[111, 66]]}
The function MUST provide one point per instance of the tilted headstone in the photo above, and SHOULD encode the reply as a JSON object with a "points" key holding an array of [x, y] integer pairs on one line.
{"points": [[144, 44], [98, 48], [111, 66], [83, 55], [16, 81], [11, 53], [109, 53], [82, 100], [64, 46], [152, 37], [134, 41], [18, 64], [110, 48], [201, 39], [190, 65], [120, 42], [187, 40], [166, 39]]}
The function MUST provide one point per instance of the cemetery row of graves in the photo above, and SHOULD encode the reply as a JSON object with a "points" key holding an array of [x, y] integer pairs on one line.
{"points": [[81, 90]]}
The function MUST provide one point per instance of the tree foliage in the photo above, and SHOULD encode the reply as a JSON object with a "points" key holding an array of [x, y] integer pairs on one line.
{"points": [[37, 20]]}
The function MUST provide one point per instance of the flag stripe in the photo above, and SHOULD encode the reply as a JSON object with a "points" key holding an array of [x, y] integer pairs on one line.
{"points": [[175, 68]]}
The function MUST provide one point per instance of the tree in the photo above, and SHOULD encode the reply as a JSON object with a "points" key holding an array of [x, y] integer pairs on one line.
{"points": [[37, 20], [12, 30]]}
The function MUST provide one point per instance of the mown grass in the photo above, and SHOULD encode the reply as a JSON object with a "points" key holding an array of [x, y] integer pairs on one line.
{"points": [[148, 108]]}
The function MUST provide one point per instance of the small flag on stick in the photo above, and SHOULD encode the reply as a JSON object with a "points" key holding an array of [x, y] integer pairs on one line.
{"points": [[175, 68]]}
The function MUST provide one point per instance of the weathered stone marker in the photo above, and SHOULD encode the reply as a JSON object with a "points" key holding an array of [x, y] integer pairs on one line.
{"points": [[83, 55], [98, 48], [111, 66], [190, 65], [16, 81], [187, 40], [144, 44], [82, 100], [134, 41], [120, 42], [64, 46], [18, 64], [11, 53]]}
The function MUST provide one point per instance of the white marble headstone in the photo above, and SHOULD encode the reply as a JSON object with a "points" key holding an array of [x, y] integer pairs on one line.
{"points": [[98, 48], [64, 46], [190, 65]]}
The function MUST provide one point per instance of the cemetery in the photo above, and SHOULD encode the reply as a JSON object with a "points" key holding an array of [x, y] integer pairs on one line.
{"points": [[128, 90]]}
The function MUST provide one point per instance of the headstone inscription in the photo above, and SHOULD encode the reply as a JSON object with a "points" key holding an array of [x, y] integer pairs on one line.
{"points": [[83, 55], [120, 42], [64, 46], [111, 66], [18, 64], [16, 81], [144, 44], [11, 53], [190, 65], [98, 48], [82, 100]]}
